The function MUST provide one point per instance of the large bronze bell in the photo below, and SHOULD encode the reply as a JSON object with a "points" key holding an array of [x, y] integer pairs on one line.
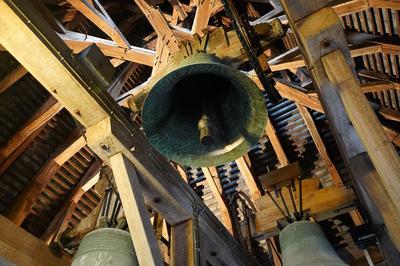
{"points": [[304, 244], [106, 246], [203, 112]]}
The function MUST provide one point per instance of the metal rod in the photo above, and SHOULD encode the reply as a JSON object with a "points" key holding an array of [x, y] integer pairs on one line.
{"points": [[276, 204], [285, 205], [296, 214], [300, 198]]}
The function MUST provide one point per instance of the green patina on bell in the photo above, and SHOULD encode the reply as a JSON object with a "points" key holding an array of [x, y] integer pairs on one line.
{"points": [[106, 246], [203, 112], [304, 244]]}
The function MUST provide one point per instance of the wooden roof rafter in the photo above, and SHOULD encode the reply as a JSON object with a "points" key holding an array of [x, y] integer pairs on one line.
{"points": [[15, 75], [98, 15], [78, 42], [26, 200]]}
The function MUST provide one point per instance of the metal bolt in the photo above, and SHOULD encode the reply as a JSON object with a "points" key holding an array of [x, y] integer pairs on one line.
{"points": [[105, 147], [326, 43], [133, 149]]}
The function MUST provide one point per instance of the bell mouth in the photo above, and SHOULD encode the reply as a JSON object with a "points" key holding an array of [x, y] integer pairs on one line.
{"points": [[174, 114]]}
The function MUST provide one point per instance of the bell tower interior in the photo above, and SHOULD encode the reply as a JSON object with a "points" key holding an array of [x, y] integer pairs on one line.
{"points": [[187, 132]]}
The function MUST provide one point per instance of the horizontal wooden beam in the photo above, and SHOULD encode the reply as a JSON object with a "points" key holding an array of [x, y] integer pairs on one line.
{"points": [[354, 6], [78, 42], [43, 115], [22, 248], [318, 203], [12, 77], [296, 60]]}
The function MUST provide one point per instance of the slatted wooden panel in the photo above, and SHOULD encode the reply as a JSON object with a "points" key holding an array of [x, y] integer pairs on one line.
{"points": [[385, 22], [57, 191]]}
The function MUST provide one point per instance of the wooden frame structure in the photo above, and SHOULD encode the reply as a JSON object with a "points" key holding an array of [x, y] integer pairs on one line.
{"points": [[144, 177]]}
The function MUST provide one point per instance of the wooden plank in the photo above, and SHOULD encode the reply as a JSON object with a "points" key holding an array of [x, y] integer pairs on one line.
{"points": [[43, 115], [78, 42], [390, 114], [249, 179], [215, 185], [351, 7], [182, 241], [290, 93], [20, 247], [298, 61], [61, 219], [103, 22], [308, 120], [379, 148], [320, 204], [12, 77], [136, 213], [21, 207]]}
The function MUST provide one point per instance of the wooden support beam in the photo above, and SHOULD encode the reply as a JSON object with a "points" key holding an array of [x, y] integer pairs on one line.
{"points": [[390, 113], [160, 25], [369, 129], [28, 197], [78, 42], [249, 179], [182, 241], [101, 20], [11, 78], [270, 130], [60, 221], [203, 13], [178, 8], [43, 115], [315, 40], [319, 203], [136, 213], [19, 247], [216, 188], [308, 120], [296, 60], [276, 144], [107, 129], [291, 93]]}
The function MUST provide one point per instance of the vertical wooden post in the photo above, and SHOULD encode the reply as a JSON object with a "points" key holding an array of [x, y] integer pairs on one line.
{"points": [[136, 213], [182, 244]]}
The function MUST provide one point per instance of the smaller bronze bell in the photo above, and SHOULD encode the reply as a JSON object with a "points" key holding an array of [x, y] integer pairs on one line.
{"points": [[303, 243], [106, 246]]}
